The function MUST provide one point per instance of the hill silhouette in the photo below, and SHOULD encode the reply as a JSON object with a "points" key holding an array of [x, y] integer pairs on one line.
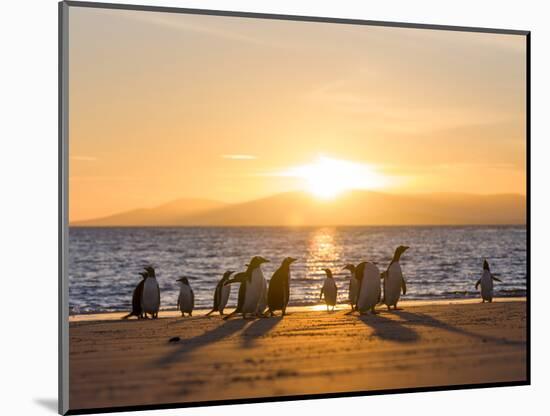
{"points": [[171, 213], [352, 208]]}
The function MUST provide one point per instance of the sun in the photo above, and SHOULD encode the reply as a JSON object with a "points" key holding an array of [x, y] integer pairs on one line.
{"points": [[327, 178]]}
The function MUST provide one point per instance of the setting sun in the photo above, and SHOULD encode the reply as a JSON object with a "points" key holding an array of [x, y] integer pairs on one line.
{"points": [[326, 177]]}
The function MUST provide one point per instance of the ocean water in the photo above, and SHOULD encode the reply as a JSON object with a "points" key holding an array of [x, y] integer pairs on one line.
{"points": [[442, 262]]}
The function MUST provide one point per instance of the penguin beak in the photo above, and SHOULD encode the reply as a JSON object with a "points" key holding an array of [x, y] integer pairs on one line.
{"points": [[292, 260]]}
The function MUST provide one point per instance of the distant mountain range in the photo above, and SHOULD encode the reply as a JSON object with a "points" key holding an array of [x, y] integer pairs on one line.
{"points": [[352, 208]]}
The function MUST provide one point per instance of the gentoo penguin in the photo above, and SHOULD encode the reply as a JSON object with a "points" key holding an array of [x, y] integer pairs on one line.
{"points": [[252, 286], [136, 299], [353, 286], [486, 282], [279, 287], [221, 294], [394, 282], [329, 289], [368, 276], [150, 299], [186, 298]]}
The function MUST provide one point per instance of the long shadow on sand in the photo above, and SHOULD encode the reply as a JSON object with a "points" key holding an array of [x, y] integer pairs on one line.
{"points": [[258, 329], [430, 321], [389, 329], [225, 329]]}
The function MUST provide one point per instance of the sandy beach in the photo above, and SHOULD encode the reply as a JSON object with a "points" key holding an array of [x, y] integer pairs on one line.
{"points": [[121, 363]]}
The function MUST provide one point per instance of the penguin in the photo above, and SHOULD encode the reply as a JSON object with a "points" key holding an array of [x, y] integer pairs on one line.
{"points": [[150, 299], [221, 294], [252, 288], [279, 288], [369, 292], [136, 299], [353, 286], [186, 298], [262, 304], [329, 289], [394, 282], [486, 282]]}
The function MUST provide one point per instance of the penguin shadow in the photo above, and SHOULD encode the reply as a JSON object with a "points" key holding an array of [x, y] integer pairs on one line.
{"points": [[426, 320], [257, 329], [181, 320], [182, 348], [389, 329]]}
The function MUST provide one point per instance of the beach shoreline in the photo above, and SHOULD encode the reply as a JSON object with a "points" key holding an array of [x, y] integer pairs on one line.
{"points": [[117, 362], [174, 313]]}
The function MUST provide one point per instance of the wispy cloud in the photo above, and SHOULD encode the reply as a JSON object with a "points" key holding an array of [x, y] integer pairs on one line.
{"points": [[239, 157], [84, 158], [231, 30]]}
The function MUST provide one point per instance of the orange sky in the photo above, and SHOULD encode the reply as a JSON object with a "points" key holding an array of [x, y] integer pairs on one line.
{"points": [[168, 106]]}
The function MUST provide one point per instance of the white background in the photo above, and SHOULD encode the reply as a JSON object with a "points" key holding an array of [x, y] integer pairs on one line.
{"points": [[28, 232]]}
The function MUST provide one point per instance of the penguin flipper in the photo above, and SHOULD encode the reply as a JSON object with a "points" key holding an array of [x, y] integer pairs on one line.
{"points": [[496, 278], [478, 283], [404, 286], [192, 299]]}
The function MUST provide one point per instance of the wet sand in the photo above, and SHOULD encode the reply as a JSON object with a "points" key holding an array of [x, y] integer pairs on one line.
{"points": [[121, 363]]}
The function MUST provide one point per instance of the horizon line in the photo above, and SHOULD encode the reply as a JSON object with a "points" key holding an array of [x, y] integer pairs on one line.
{"points": [[303, 226]]}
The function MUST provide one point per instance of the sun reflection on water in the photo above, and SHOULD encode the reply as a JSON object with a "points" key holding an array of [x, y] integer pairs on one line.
{"points": [[323, 251]]}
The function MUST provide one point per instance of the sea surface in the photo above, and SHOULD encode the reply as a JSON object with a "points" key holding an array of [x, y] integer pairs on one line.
{"points": [[442, 262]]}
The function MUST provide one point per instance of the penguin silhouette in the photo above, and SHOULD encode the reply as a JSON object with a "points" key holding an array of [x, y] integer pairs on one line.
{"points": [[251, 289], [486, 282], [368, 276], [394, 282], [279, 288], [150, 299], [186, 298], [221, 293], [353, 286], [136, 299], [329, 290]]}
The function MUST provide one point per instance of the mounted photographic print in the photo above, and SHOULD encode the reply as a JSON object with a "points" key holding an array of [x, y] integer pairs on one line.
{"points": [[263, 207]]}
